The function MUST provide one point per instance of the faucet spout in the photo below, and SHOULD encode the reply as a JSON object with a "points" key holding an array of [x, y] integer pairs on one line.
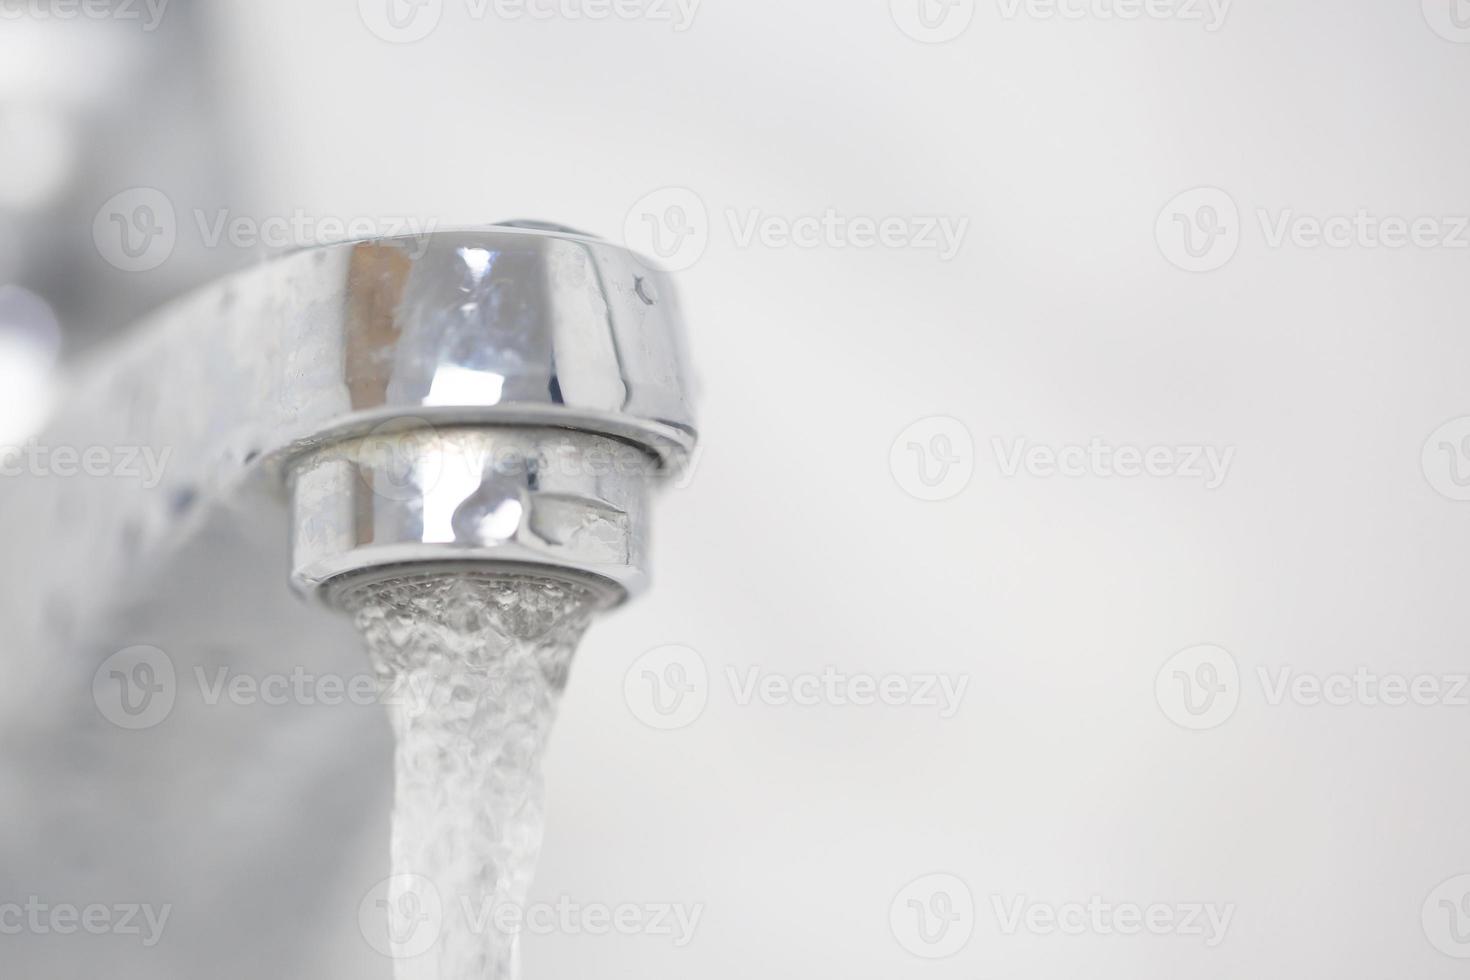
{"points": [[503, 395]]}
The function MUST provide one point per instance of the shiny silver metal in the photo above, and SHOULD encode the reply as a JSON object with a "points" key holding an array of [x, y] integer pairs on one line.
{"points": [[497, 398], [497, 326], [515, 328], [517, 497], [270, 378]]}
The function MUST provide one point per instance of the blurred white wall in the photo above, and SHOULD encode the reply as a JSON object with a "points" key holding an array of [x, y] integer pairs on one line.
{"points": [[1060, 599], [1333, 544]]}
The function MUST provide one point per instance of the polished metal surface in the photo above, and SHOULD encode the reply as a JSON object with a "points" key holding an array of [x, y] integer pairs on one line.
{"points": [[503, 326], [500, 399], [524, 497], [499, 326], [232, 387]]}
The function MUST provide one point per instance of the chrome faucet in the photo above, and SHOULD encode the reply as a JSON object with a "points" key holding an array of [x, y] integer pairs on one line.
{"points": [[506, 397]]}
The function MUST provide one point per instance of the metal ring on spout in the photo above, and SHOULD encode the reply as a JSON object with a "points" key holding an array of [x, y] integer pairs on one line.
{"points": [[525, 499]]}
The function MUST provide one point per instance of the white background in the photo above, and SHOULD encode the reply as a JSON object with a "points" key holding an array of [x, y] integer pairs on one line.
{"points": [[1065, 316], [1061, 319]]}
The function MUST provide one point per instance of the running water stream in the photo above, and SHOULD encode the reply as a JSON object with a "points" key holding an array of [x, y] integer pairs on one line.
{"points": [[475, 666]]}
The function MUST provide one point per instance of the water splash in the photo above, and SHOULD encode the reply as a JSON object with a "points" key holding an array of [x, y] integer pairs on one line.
{"points": [[474, 666]]}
